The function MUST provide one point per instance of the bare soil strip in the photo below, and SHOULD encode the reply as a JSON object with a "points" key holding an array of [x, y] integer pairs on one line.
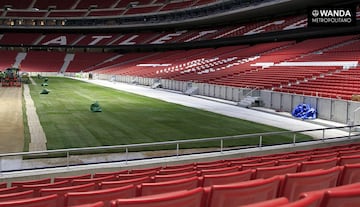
{"points": [[11, 120]]}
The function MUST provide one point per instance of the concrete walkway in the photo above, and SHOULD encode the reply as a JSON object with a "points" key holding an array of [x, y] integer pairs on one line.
{"points": [[37, 134], [226, 108]]}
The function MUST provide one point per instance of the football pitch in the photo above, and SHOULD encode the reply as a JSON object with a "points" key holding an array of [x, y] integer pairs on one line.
{"points": [[128, 118]]}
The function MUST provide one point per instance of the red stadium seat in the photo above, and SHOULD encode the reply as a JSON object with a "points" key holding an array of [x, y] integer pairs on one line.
{"points": [[105, 174], [350, 174], [44, 201], [323, 156], [106, 195], [135, 175], [168, 186], [351, 159], [297, 183], [226, 178], [97, 204], [168, 167], [133, 171], [310, 200], [60, 201], [267, 172], [211, 166], [219, 170], [168, 171], [318, 164], [292, 160], [31, 182], [121, 183], [16, 196], [9, 190], [162, 178], [94, 180], [36, 187], [193, 198], [320, 193], [70, 178], [242, 162], [256, 165], [3, 185], [341, 198], [242, 193], [270, 203]]}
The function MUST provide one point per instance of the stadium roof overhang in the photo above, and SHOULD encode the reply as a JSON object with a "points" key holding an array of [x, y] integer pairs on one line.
{"points": [[254, 12]]}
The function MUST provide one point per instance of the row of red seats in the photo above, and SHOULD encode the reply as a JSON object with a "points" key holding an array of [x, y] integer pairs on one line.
{"points": [[291, 186], [212, 173]]}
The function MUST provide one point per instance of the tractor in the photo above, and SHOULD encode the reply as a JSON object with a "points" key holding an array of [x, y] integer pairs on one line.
{"points": [[10, 78]]}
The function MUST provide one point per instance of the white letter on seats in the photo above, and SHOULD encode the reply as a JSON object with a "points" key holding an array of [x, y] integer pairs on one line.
{"points": [[261, 29], [57, 41], [98, 39]]}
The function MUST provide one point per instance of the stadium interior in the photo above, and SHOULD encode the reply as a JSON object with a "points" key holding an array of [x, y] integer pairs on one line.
{"points": [[258, 55]]}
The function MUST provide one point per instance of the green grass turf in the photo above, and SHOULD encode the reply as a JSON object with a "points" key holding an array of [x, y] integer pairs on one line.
{"points": [[129, 118]]}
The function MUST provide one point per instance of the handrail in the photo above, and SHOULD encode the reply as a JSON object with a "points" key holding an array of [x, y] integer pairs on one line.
{"points": [[177, 143]]}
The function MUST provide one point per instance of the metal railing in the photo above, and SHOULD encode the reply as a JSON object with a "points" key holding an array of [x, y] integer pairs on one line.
{"points": [[125, 153]]}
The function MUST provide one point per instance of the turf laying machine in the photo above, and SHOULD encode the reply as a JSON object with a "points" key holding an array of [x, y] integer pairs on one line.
{"points": [[10, 77]]}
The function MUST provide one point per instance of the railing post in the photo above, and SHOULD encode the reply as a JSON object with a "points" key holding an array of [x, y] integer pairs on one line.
{"points": [[350, 132], [126, 155], [177, 149], [67, 159], [260, 141], [323, 136], [294, 139], [221, 145]]}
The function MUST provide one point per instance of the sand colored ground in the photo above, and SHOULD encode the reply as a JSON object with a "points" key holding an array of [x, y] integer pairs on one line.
{"points": [[11, 120]]}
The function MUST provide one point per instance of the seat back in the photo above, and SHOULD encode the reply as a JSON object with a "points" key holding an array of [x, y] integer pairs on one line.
{"points": [[226, 178], [193, 198], [70, 178], [121, 183], [219, 170], [292, 160], [36, 187], [175, 176], [242, 193], [341, 198], [63, 190], [30, 182], [297, 183], [14, 189], [104, 174], [17, 195], [350, 174], [133, 171], [352, 159], [94, 180], [168, 171], [270, 203], [318, 164], [310, 200], [256, 165], [168, 186], [268, 172], [135, 175], [323, 156], [97, 204], [106, 195], [44, 201]]}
